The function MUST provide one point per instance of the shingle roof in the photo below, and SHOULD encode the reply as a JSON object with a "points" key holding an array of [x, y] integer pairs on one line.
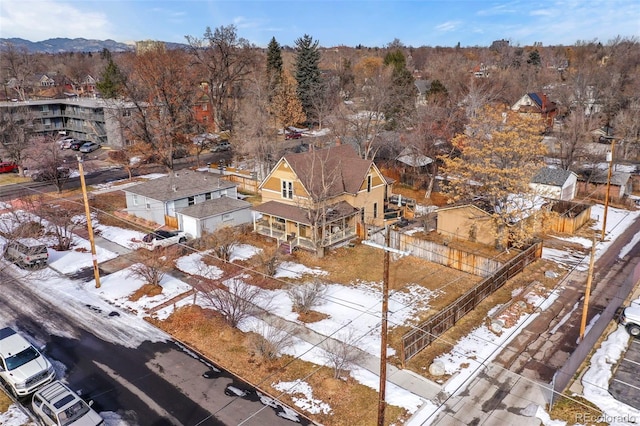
{"points": [[300, 215], [551, 176], [617, 178], [181, 184], [214, 207], [330, 172]]}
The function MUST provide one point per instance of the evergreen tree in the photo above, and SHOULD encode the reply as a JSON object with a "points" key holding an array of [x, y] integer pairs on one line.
{"points": [[534, 58], [274, 65], [111, 79], [403, 90], [307, 71]]}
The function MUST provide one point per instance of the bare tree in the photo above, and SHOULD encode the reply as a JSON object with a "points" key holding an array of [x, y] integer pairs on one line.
{"points": [[341, 353], [223, 241], [268, 261], [226, 60], [62, 218], [269, 340], [153, 265], [236, 302], [161, 86], [306, 296], [18, 65], [130, 157], [572, 139], [15, 125], [48, 162]]}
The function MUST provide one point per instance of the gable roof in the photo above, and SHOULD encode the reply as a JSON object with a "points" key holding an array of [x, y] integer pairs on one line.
{"points": [[214, 207], [551, 176], [180, 184], [339, 168], [617, 178]]}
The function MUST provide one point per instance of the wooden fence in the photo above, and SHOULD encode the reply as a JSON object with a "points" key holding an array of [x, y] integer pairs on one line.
{"points": [[465, 261], [569, 217], [422, 336]]}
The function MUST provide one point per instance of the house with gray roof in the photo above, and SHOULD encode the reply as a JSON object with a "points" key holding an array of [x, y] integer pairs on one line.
{"points": [[199, 201], [554, 183]]}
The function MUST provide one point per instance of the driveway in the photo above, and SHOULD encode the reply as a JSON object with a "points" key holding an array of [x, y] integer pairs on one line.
{"points": [[625, 385]]}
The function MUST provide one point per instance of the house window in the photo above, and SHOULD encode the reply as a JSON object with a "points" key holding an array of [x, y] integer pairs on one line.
{"points": [[126, 113], [362, 215], [148, 205], [369, 180], [135, 199], [227, 217], [207, 196], [375, 210], [191, 200], [287, 189]]}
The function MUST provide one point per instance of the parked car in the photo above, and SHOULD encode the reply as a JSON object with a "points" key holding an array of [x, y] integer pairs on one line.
{"points": [[76, 144], [27, 253], [57, 405], [162, 238], [221, 146], [630, 318], [47, 175], [292, 134], [89, 147], [65, 143], [8, 167], [22, 368]]}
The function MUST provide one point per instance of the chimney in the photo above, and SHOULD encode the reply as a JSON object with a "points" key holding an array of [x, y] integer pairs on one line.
{"points": [[544, 102]]}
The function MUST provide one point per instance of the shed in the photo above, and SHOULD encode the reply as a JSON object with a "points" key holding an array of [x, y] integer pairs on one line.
{"points": [[555, 183], [211, 215]]}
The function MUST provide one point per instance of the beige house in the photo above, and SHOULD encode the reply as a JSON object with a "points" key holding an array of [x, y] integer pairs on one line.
{"points": [[321, 198]]}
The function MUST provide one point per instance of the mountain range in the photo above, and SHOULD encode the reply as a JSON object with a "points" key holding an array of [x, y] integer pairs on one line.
{"points": [[60, 45]]}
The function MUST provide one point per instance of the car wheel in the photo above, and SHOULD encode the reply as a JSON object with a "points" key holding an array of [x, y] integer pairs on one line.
{"points": [[634, 330]]}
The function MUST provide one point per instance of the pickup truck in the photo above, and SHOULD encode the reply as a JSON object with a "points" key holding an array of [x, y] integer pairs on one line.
{"points": [[630, 318], [162, 238]]}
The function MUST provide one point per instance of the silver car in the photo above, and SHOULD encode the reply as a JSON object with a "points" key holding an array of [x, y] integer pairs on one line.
{"points": [[57, 405], [89, 147]]}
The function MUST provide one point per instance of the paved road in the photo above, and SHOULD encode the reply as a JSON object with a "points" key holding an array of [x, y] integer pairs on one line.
{"points": [[102, 353], [509, 389]]}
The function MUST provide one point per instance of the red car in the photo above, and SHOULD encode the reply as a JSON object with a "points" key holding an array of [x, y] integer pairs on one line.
{"points": [[7, 167], [293, 135]]}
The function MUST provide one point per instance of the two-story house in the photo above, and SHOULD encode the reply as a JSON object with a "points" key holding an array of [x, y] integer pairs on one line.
{"points": [[321, 198], [537, 104]]}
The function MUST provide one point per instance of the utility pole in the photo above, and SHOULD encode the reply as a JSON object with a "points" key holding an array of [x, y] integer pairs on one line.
{"points": [[587, 293], [606, 197], [385, 310], [383, 332], [87, 210]]}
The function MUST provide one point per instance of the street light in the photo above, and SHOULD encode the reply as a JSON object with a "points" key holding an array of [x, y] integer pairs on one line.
{"points": [[606, 197]]}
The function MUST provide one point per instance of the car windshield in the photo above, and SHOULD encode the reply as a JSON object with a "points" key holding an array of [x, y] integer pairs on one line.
{"points": [[73, 413], [21, 358]]}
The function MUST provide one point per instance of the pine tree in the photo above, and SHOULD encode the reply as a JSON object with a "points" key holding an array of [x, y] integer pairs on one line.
{"points": [[274, 65], [307, 71], [111, 80], [402, 103]]}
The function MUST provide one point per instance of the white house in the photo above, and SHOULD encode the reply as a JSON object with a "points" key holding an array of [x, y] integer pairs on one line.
{"points": [[200, 201]]}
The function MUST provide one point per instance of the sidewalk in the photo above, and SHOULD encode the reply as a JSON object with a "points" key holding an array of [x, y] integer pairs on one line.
{"points": [[404, 379]]}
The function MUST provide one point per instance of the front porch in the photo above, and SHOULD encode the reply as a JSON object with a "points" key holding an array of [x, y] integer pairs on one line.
{"points": [[289, 225]]}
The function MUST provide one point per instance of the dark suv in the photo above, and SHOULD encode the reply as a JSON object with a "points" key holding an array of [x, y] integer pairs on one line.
{"points": [[75, 145]]}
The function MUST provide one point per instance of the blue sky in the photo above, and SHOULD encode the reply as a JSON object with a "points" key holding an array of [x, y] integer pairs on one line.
{"points": [[331, 22]]}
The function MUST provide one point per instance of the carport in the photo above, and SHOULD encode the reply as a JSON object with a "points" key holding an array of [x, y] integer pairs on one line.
{"points": [[625, 385]]}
